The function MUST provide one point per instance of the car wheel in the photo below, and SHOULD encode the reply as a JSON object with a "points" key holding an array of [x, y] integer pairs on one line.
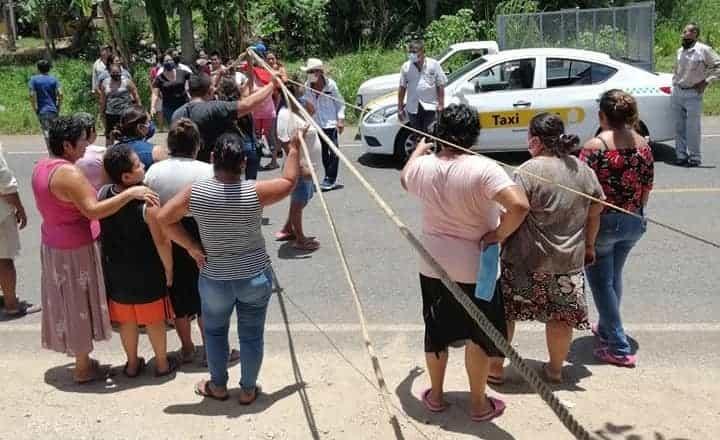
{"points": [[404, 145]]}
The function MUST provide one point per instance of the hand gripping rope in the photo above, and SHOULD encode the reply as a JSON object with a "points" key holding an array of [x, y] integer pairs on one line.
{"points": [[530, 375]]}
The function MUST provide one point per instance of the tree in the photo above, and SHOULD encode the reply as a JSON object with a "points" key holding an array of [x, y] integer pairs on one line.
{"points": [[118, 42], [158, 21], [187, 31]]}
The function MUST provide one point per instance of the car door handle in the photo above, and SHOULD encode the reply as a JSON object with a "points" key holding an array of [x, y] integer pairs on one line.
{"points": [[522, 104]]}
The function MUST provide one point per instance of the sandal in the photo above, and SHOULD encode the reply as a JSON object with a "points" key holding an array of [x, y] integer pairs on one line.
{"points": [[97, 372], [173, 365], [187, 357], [548, 377], [495, 380], [138, 370], [284, 236], [258, 390], [498, 407], [23, 308], [202, 388], [627, 360], [306, 245], [429, 404]]}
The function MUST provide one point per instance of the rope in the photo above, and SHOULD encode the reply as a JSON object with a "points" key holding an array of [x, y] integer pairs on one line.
{"points": [[530, 375], [385, 393], [527, 173]]}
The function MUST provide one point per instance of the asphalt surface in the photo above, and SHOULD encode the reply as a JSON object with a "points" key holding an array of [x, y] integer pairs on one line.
{"points": [[670, 305]]}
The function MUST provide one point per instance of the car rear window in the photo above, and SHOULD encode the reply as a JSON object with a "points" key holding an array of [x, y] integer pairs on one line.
{"points": [[566, 72]]}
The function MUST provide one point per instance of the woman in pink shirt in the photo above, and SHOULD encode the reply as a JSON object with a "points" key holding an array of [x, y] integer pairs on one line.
{"points": [[75, 311], [463, 198]]}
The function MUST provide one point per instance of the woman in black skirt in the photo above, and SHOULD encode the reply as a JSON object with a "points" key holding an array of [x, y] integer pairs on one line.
{"points": [[462, 196]]}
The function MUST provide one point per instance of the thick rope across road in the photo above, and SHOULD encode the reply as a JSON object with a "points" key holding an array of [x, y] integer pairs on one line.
{"points": [[528, 373], [527, 173]]}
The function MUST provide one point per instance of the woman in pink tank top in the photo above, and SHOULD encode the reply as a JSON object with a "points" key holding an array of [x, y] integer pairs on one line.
{"points": [[75, 311]]}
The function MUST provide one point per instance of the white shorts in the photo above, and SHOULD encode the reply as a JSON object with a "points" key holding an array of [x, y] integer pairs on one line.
{"points": [[9, 238]]}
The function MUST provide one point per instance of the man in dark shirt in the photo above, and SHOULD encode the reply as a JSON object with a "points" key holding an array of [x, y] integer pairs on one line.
{"points": [[45, 96], [215, 118]]}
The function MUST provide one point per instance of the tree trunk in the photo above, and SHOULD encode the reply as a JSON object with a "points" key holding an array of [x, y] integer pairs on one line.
{"points": [[11, 26], [431, 7], [158, 20], [118, 42], [45, 32], [243, 25], [187, 32], [80, 36]]}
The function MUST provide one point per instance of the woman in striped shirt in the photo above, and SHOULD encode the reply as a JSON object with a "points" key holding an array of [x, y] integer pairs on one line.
{"points": [[235, 267]]}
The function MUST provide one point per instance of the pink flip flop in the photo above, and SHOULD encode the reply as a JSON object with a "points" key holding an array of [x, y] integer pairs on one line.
{"points": [[429, 404], [498, 407], [627, 361], [284, 236]]}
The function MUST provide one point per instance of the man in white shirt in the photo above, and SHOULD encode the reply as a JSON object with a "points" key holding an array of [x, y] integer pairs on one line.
{"points": [[697, 65], [12, 217], [328, 107], [423, 81], [100, 66]]}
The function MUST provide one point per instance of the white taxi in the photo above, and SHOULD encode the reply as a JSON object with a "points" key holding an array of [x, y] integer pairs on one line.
{"points": [[510, 87]]}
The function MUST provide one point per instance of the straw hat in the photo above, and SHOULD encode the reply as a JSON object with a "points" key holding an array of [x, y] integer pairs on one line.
{"points": [[313, 64]]}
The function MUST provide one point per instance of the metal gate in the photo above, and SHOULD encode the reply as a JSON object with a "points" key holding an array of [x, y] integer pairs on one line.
{"points": [[627, 33]]}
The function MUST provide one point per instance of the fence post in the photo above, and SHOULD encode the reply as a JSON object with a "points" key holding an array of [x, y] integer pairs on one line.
{"points": [[577, 27]]}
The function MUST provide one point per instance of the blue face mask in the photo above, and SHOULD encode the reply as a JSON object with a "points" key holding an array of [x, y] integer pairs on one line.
{"points": [[151, 130], [487, 273]]}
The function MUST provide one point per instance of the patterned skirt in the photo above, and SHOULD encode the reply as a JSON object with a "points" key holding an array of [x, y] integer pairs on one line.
{"points": [[74, 303], [543, 297]]}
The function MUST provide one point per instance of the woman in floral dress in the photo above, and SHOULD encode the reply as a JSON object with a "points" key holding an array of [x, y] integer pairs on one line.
{"points": [[542, 262]]}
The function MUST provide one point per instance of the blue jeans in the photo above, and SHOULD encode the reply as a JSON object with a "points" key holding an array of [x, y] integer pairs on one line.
{"points": [[330, 160], [252, 163], [249, 298], [618, 235], [687, 108]]}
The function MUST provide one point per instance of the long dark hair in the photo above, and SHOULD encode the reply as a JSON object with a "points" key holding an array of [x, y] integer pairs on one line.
{"points": [[551, 131], [131, 118], [620, 108]]}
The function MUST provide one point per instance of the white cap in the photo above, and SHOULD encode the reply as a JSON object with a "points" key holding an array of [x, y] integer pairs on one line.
{"points": [[313, 64]]}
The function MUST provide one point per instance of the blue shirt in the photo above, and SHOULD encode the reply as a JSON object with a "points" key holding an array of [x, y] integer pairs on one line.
{"points": [[142, 148], [45, 88]]}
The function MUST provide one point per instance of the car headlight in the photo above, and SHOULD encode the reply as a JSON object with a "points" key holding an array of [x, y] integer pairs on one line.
{"points": [[381, 115]]}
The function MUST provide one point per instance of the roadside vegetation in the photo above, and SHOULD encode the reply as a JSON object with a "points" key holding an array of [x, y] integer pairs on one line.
{"points": [[366, 49]]}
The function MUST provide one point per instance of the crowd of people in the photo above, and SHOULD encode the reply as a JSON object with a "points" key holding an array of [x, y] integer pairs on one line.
{"points": [[137, 234]]}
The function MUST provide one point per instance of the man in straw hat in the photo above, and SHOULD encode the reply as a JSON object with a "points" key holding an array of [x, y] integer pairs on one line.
{"points": [[328, 112]]}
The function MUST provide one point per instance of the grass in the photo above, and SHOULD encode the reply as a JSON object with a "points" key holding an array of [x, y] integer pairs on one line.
{"points": [[16, 116]]}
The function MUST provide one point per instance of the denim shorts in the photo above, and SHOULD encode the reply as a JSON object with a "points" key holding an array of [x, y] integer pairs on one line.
{"points": [[303, 192]]}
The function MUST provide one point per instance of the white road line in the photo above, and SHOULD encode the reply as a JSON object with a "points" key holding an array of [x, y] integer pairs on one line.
{"points": [[694, 327], [26, 152], [711, 135]]}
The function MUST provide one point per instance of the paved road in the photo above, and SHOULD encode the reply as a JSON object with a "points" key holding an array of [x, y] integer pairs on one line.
{"points": [[671, 308]]}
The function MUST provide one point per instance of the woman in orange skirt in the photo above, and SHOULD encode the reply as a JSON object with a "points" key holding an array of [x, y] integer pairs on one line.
{"points": [[135, 274]]}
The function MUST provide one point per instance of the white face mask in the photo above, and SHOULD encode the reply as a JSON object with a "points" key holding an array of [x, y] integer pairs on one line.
{"points": [[413, 57]]}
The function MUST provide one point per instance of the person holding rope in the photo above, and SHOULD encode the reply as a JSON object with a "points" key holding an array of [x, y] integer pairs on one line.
{"points": [[624, 164], [543, 261], [422, 81], [235, 266], [463, 198], [328, 113]]}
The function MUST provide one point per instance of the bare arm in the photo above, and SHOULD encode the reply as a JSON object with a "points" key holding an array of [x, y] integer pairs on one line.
{"points": [[33, 101], [70, 185], [422, 148], [247, 105], [169, 218], [59, 98], [401, 98], [153, 101], [13, 200], [162, 242], [592, 227], [134, 93], [273, 190], [441, 97], [516, 205], [101, 101]]}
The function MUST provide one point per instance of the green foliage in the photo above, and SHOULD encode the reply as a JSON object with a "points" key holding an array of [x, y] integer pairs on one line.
{"points": [[450, 29], [16, 116]]}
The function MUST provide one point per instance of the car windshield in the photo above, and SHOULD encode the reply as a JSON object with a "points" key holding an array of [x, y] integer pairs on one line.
{"points": [[465, 69]]}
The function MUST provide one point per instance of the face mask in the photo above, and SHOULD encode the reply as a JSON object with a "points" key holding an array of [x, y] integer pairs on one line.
{"points": [[413, 57], [313, 77], [151, 130], [169, 65], [116, 76], [687, 43]]}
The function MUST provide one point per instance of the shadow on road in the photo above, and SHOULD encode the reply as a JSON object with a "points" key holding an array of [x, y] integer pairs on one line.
{"points": [[61, 378], [612, 431], [286, 251], [573, 374], [455, 419], [581, 350], [231, 409]]}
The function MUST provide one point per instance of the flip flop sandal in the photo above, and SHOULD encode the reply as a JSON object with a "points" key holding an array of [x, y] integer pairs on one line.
{"points": [[627, 361], [138, 370], [284, 236], [187, 358], [498, 407], [307, 245], [495, 380], [96, 373], [429, 404], [547, 377], [202, 388], [173, 365], [23, 309], [258, 390]]}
